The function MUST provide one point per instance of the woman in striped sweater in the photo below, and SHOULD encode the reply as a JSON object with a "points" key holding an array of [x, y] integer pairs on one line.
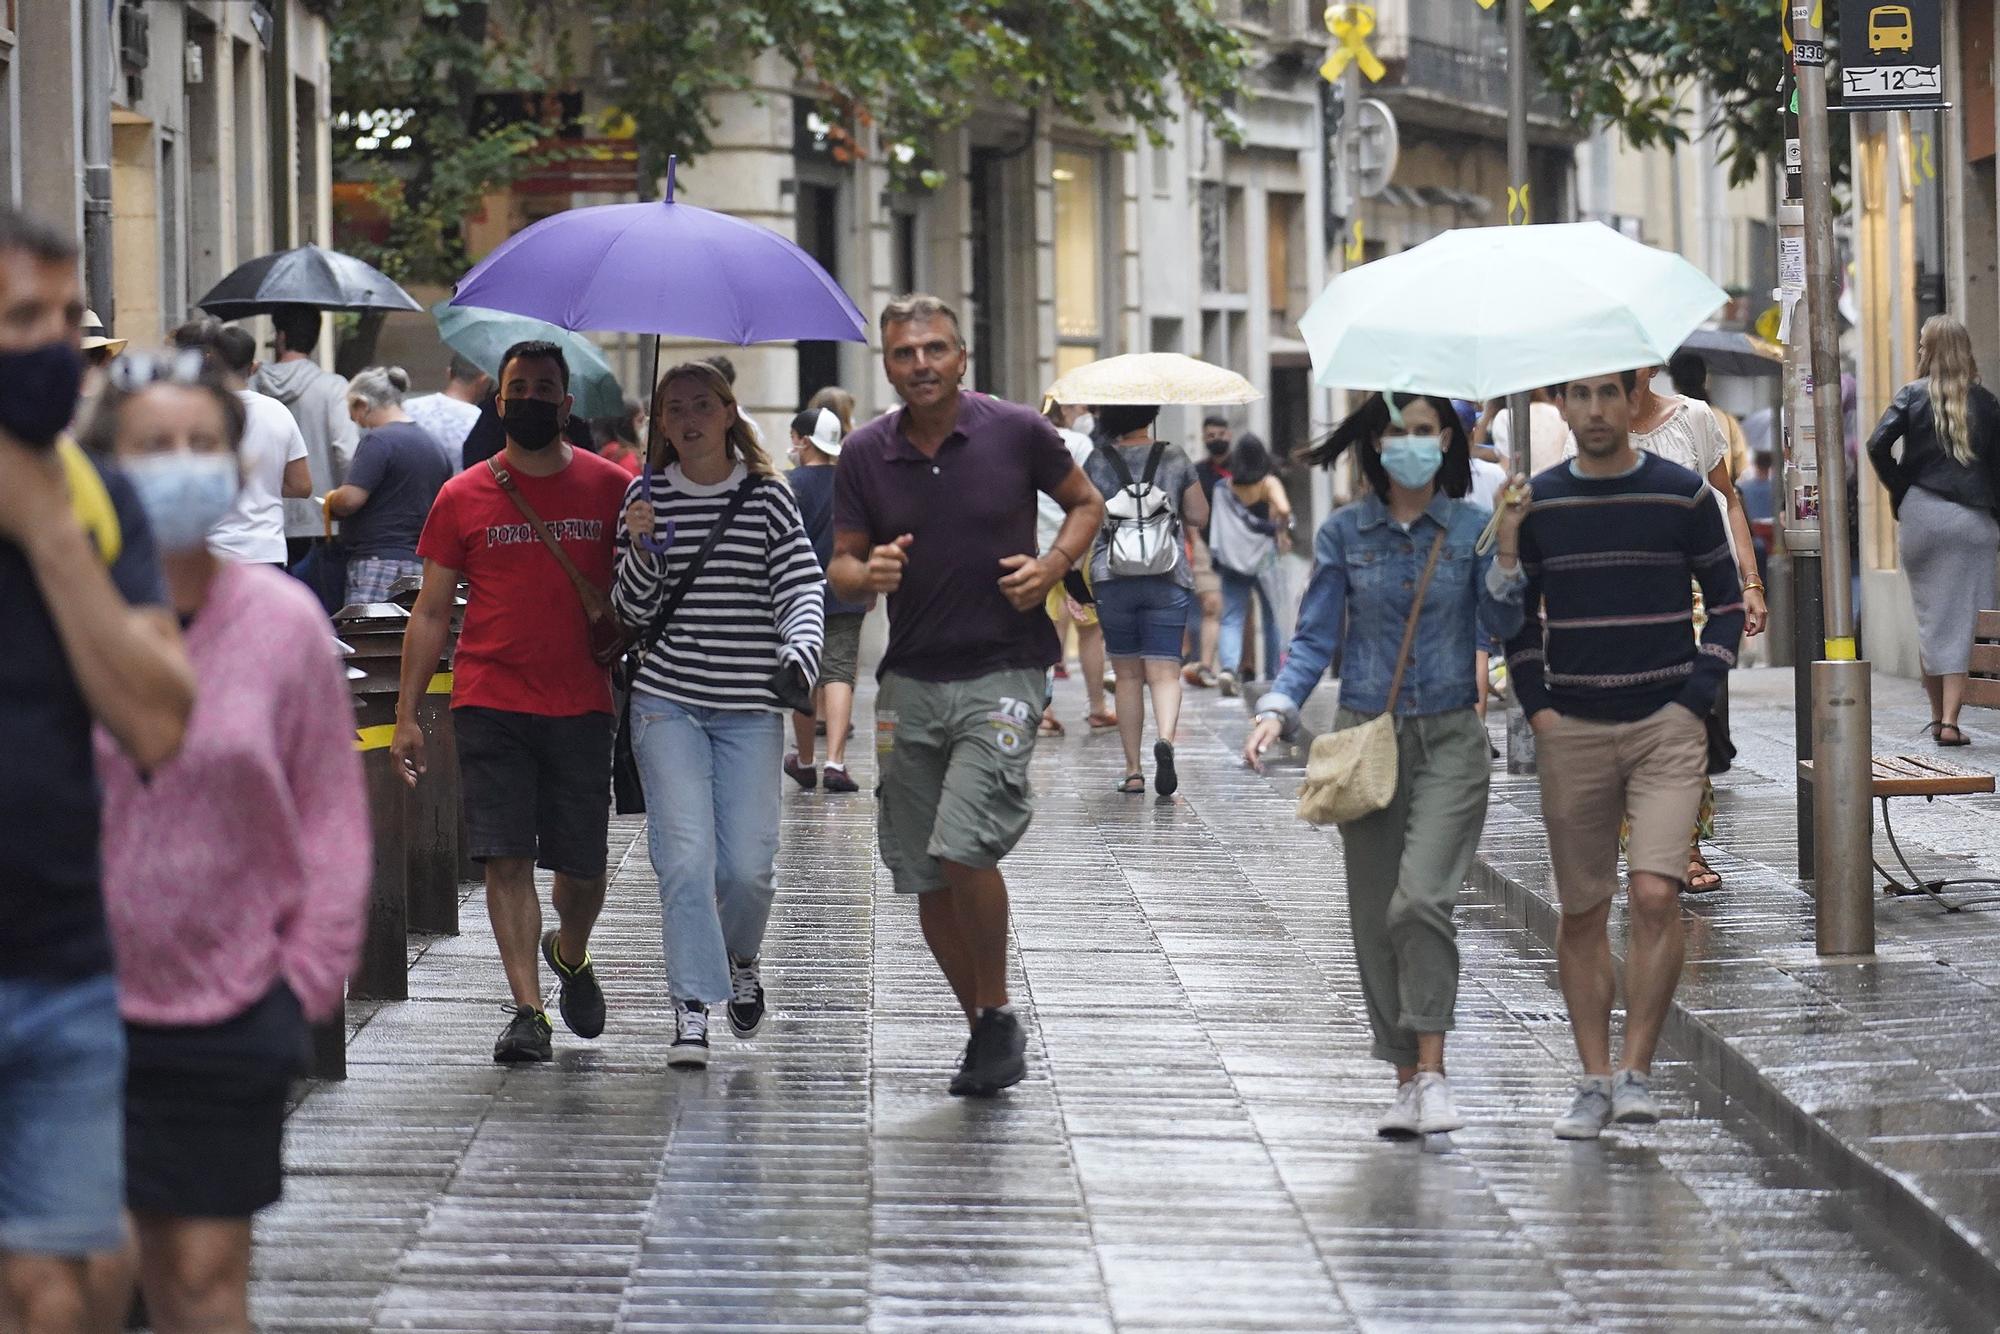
{"points": [[707, 724]]}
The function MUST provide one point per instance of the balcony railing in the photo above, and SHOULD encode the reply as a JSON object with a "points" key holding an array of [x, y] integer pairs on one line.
{"points": [[1470, 76]]}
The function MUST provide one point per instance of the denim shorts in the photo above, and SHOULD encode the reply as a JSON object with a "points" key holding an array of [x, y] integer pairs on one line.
{"points": [[62, 1117], [1143, 617]]}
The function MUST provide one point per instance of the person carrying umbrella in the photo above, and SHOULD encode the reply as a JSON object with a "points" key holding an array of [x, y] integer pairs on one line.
{"points": [[1402, 562], [317, 400], [934, 507]]}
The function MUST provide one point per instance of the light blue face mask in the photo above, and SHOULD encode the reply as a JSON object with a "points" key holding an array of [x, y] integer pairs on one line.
{"points": [[184, 494], [1412, 460]]}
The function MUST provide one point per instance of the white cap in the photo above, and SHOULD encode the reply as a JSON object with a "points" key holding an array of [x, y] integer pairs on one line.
{"points": [[826, 433]]}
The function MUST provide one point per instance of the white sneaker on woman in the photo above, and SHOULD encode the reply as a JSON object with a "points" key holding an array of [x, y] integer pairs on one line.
{"points": [[1402, 1119], [1437, 1113]]}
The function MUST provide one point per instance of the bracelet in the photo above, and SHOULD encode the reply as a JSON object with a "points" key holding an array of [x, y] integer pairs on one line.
{"points": [[1754, 584]]}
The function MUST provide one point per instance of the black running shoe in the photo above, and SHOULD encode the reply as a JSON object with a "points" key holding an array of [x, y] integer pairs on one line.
{"points": [[996, 1058], [746, 1001], [1165, 781], [526, 1037], [582, 1000]]}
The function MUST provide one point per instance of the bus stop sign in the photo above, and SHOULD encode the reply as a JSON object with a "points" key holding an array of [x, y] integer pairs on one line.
{"points": [[1891, 55]]}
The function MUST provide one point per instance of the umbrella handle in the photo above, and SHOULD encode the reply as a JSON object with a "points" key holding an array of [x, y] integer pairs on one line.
{"points": [[656, 544]]}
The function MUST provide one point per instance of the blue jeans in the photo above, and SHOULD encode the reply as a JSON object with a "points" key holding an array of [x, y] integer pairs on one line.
{"points": [[62, 1117], [1236, 593], [712, 800]]}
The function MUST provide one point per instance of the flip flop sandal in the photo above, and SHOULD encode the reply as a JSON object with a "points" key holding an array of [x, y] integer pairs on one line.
{"points": [[1133, 786], [1050, 727], [1957, 738], [1705, 880]]}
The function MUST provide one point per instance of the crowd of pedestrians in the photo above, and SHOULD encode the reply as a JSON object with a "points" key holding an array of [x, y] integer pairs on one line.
{"points": [[649, 596]]}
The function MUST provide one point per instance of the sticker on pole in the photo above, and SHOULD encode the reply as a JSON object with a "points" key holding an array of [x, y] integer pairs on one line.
{"points": [[1891, 55]]}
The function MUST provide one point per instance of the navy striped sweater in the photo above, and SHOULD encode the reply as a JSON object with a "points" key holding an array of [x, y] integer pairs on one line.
{"points": [[1608, 631]]}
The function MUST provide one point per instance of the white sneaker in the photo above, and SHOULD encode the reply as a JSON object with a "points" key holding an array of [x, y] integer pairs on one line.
{"points": [[690, 1049], [1590, 1112], [1438, 1114], [1404, 1116], [1632, 1100]]}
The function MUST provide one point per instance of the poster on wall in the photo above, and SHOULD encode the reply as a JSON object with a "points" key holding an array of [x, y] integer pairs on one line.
{"points": [[1891, 55]]}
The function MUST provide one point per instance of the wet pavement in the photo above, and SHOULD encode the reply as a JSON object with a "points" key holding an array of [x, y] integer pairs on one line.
{"points": [[1882, 1072], [1193, 1147]]}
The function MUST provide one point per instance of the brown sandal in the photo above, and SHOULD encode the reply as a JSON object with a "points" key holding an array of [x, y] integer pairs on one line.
{"points": [[1701, 877]]}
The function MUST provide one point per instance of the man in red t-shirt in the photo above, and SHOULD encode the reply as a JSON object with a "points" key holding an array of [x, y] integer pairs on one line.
{"points": [[531, 710]]}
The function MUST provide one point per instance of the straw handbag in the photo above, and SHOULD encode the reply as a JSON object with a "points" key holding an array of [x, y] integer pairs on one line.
{"points": [[1352, 773]]}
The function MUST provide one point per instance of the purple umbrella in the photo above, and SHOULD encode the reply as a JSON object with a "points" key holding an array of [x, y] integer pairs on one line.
{"points": [[664, 268]]}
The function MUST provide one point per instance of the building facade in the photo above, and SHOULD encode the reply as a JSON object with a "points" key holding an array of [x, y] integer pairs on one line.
{"points": [[174, 140]]}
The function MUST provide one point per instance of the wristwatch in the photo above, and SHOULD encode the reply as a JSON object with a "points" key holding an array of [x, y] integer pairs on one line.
{"points": [[1269, 714]]}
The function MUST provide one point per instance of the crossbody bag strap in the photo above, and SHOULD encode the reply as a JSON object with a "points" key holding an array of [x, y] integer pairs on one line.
{"points": [[658, 625], [591, 594], [1410, 627]]}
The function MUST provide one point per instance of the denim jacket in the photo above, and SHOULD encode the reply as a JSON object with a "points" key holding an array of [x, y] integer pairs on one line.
{"points": [[1365, 571]]}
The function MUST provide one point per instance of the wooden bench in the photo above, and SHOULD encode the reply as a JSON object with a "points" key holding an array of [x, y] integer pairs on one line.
{"points": [[1983, 688], [1930, 778]]}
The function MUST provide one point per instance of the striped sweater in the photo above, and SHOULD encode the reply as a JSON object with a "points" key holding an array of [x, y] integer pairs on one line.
{"points": [[1609, 560], [757, 602]]}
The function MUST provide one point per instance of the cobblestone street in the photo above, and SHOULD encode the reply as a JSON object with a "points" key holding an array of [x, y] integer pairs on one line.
{"points": [[1193, 1148]]}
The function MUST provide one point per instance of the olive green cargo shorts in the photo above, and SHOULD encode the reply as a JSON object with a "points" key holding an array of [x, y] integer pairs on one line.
{"points": [[953, 763]]}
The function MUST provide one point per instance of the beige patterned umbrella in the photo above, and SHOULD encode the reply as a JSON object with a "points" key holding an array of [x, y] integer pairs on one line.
{"points": [[1147, 378]]}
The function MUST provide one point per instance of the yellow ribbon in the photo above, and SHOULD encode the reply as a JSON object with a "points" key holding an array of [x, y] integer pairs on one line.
{"points": [[1351, 26], [1356, 248], [440, 684], [1840, 650], [1539, 5], [374, 738], [1517, 201]]}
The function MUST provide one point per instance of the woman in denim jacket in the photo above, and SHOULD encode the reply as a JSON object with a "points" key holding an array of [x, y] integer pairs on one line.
{"points": [[1406, 862]]}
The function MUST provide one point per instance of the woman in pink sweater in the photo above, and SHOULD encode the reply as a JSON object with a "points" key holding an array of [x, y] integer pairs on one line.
{"points": [[235, 875]]}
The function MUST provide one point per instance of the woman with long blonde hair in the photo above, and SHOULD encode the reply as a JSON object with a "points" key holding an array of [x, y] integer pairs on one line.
{"points": [[719, 668], [1944, 484]]}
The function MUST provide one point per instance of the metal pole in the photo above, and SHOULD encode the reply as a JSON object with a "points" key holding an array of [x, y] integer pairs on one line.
{"points": [[1520, 737], [97, 259], [1843, 820]]}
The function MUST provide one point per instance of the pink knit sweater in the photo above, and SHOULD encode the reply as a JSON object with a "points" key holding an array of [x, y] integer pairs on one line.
{"points": [[245, 858]]}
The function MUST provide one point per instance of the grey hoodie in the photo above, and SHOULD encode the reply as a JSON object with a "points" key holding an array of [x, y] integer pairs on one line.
{"points": [[317, 400]]}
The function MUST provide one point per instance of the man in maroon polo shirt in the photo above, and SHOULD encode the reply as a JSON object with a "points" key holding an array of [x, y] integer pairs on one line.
{"points": [[934, 506]]}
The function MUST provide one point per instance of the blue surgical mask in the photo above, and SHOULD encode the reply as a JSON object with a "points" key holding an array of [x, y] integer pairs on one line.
{"points": [[183, 494], [1413, 460]]}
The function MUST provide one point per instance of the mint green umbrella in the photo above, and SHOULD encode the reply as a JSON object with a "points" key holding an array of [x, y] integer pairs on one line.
{"points": [[1483, 312], [483, 336]]}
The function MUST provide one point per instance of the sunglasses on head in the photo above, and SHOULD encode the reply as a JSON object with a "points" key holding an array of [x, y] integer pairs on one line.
{"points": [[135, 370]]}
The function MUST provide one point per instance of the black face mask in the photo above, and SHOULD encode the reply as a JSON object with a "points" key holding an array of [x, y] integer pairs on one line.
{"points": [[39, 396], [532, 423], [1218, 449]]}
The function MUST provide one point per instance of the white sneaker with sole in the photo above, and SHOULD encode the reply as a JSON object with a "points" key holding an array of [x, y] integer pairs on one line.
{"points": [[1632, 1100], [690, 1048], [1404, 1114], [1590, 1112], [1437, 1113]]}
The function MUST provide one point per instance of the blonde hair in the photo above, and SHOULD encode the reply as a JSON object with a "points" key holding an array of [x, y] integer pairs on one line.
{"points": [[1944, 357], [837, 401], [739, 444]]}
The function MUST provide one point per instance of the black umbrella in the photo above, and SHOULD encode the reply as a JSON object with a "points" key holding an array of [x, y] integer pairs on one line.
{"points": [[1730, 353], [307, 276]]}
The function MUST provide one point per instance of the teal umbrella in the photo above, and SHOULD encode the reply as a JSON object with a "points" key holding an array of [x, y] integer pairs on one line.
{"points": [[483, 336], [1483, 312]]}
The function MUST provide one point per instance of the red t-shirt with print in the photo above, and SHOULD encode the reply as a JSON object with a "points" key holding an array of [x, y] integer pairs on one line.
{"points": [[525, 647]]}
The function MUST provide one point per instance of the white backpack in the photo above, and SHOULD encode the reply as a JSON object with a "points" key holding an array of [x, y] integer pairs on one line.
{"points": [[1142, 531]]}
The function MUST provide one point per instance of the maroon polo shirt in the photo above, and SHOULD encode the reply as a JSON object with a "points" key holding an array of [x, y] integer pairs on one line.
{"points": [[967, 507]]}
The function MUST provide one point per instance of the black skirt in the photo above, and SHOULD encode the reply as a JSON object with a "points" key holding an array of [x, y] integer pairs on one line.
{"points": [[205, 1110]]}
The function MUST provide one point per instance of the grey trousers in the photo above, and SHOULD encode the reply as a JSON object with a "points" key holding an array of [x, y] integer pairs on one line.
{"points": [[1405, 866]]}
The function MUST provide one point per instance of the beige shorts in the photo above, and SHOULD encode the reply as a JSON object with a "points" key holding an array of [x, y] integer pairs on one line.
{"points": [[1595, 774]]}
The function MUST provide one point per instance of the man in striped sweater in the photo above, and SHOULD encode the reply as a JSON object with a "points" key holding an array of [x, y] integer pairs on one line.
{"points": [[1618, 690]]}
